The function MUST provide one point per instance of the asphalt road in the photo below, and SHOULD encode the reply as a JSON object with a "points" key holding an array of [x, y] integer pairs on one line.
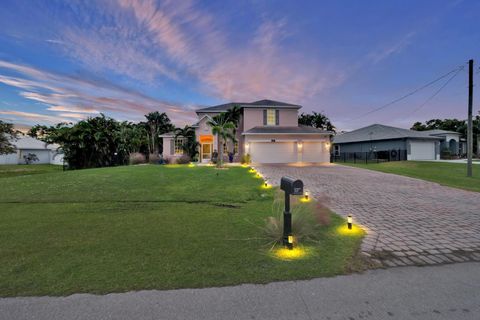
{"points": [[439, 292]]}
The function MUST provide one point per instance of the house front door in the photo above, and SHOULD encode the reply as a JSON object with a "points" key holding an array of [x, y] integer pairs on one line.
{"points": [[207, 151]]}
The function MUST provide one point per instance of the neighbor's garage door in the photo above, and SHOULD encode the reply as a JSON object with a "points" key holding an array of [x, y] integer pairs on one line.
{"points": [[315, 152], [273, 152], [422, 150]]}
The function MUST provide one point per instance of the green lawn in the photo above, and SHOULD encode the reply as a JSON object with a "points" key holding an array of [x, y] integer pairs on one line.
{"points": [[448, 174], [147, 227], [21, 169]]}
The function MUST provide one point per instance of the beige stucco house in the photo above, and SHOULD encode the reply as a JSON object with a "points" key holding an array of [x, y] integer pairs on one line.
{"points": [[268, 131]]}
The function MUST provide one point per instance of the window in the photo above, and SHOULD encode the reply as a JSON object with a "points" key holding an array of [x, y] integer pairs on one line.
{"points": [[336, 149], [179, 142], [226, 149], [271, 117]]}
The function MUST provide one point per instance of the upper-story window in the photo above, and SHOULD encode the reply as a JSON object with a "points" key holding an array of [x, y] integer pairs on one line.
{"points": [[271, 117]]}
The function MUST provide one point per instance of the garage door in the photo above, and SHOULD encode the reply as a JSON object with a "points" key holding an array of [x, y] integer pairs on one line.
{"points": [[422, 150], [273, 152], [315, 152]]}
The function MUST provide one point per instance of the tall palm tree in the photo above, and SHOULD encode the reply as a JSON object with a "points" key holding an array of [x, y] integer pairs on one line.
{"points": [[158, 123], [234, 114], [224, 128]]}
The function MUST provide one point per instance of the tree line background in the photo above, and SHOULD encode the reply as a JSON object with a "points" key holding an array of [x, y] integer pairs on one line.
{"points": [[102, 141]]}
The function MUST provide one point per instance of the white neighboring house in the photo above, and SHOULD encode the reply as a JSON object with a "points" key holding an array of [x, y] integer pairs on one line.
{"points": [[46, 153]]}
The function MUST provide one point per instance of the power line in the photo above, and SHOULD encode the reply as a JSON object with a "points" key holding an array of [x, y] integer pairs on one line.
{"points": [[436, 92], [457, 69]]}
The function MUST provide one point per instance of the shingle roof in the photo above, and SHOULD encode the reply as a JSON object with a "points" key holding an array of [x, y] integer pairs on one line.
{"points": [[286, 130], [256, 104], [27, 142], [380, 132]]}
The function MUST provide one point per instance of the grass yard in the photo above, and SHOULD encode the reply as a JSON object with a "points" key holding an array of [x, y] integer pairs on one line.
{"points": [[147, 227], [21, 169], [448, 174]]}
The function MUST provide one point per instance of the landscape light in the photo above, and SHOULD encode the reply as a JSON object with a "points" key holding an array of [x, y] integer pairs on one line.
{"points": [[265, 184], [349, 222], [306, 195], [290, 241]]}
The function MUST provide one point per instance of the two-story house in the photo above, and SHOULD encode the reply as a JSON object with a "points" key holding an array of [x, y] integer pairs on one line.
{"points": [[268, 131]]}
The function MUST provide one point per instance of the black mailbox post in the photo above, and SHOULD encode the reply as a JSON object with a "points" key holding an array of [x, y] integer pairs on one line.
{"points": [[294, 187]]}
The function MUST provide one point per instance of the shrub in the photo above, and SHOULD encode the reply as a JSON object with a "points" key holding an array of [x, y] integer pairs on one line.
{"points": [[153, 158], [30, 157], [185, 159], [246, 159], [305, 222], [136, 158]]}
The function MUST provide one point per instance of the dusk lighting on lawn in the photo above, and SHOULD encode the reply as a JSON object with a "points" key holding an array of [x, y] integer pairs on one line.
{"points": [[292, 254]]}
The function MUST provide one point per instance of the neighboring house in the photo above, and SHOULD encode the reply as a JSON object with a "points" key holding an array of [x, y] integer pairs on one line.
{"points": [[391, 141], [451, 141], [268, 131], [46, 153]]}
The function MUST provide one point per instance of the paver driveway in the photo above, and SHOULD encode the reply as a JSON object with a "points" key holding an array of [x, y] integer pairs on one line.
{"points": [[408, 221]]}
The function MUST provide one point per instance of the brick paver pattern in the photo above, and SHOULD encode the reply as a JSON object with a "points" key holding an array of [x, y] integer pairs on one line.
{"points": [[408, 221]]}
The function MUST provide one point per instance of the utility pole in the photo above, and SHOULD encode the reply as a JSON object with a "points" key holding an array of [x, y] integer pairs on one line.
{"points": [[470, 122]]}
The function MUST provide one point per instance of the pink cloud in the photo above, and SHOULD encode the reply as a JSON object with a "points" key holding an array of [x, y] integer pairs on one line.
{"points": [[82, 94]]}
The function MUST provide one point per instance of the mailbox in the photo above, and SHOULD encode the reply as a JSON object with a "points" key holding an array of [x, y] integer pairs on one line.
{"points": [[291, 186]]}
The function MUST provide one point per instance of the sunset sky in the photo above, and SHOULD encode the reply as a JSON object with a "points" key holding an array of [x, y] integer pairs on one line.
{"points": [[67, 60]]}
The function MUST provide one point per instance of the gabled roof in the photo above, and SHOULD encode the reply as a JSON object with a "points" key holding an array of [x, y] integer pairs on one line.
{"points": [[200, 120], [381, 132], [285, 130], [256, 104], [27, 142]]}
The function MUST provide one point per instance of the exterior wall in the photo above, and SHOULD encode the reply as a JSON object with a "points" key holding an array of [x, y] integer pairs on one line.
{"points": [[167, 142], [367, 146], [45, 156], [11, 158], [254, 117]]}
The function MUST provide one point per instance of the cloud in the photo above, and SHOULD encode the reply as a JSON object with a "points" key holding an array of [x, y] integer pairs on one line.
{"points": [[33, 117], [260, 68], [387, 51], [82, 94]]}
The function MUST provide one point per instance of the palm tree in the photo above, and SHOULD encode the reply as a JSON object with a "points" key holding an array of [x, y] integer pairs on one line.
{"points": [[234, 114], [190, 144], [158, 123], [224, 128]]}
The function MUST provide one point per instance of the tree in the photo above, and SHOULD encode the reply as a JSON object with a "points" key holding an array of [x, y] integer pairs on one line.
{"points": [[316, 120], [233, 114], [224, 128], [157, 124], [7, 134], [190, 144]]}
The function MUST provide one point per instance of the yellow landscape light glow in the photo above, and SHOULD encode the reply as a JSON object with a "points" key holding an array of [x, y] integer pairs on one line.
{"points": [[292, 254]]}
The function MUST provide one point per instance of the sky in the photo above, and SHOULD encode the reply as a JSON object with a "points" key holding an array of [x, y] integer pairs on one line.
{"points": [[63, 61]]}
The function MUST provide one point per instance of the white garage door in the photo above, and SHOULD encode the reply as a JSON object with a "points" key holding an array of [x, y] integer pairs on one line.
{"points": [[273, 152], [422, 150], [315, 152]]}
